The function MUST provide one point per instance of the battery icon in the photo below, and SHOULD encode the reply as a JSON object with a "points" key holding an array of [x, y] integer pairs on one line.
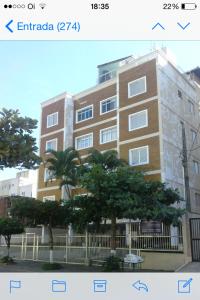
{"points": [[188, 6]]}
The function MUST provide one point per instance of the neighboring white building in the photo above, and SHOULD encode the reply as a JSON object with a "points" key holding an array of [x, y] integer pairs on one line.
{"points": [[25, 184]]}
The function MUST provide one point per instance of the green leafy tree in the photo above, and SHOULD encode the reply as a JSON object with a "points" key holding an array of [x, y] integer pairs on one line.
{"points": [[64, 167], [50, 214], [25, 209], [120, 191], [17, 145], [111, 193], [156, 202], [92, 175], [8, 227], [84, 210], [53, 214]]}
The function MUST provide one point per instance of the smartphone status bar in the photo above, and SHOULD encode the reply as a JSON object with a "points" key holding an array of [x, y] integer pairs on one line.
{"points": [[99, 20]]}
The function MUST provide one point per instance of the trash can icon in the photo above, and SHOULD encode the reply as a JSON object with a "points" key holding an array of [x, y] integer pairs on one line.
{"points": [[100, 286]]}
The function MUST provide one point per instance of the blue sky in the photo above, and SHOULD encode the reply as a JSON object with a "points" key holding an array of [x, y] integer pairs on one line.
{"points": [[31, 72]]}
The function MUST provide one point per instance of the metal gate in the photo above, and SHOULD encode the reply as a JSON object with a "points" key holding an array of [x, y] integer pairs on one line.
{"points": [[195, 238]]}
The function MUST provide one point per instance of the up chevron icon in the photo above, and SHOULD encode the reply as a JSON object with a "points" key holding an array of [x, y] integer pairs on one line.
{"points": [[158, 25]]}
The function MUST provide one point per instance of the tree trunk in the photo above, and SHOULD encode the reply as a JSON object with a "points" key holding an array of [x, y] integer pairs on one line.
{"points": [[68, 192], [97, 227], [113, 236], [8, 251], [50, 243], [7, 239]]}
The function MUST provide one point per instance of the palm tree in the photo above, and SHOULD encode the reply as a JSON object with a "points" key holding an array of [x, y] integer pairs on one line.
{"points": [[64, 167], [108, 160]]}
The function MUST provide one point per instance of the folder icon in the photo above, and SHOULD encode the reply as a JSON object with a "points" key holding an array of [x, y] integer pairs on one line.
{"points": [[59, 286]]}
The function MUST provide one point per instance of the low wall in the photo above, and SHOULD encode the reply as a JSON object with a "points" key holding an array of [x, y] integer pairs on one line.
{"points": [[166, 261], [38, 231]]}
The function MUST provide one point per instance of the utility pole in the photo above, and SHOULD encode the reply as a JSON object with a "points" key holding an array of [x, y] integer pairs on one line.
{"points": [[185, 169], [186, 223]]}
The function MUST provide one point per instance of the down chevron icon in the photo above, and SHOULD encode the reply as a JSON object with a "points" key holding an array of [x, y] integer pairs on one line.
{"points": [[183, 26]]}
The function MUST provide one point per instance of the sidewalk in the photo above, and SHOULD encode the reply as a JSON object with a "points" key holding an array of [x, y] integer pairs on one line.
{"points": [[191, 267], [36, 267], [30, 266]]}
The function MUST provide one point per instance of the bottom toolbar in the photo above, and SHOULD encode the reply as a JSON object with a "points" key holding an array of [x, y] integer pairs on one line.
{"points": [[90, 286]]}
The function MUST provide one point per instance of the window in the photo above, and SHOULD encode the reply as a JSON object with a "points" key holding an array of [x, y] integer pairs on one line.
{"points": [[49, 198], [51, 145], [108, 135], [139, 156], [84, 114], [197, 200], [191, 107], [137, 87], [194, 136], [48, 175], [84, 141], [180, 94], [52, 120], [108, 105], [195, 167], [138, 120]]}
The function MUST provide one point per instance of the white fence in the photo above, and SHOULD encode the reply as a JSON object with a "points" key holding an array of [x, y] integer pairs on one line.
{"points": [[81, 249], [169, 238]]}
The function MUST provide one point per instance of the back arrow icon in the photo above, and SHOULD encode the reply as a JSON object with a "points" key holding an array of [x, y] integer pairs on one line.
{"points": [[7, 26], [138, 285]]}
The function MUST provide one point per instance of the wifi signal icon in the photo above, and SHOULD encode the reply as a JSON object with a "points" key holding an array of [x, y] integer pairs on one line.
{"points": [[42, 5]]}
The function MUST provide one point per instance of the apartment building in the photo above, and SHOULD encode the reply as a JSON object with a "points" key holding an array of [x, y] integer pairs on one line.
{"points": [[24, 184], [136, 108], [139, 107]]}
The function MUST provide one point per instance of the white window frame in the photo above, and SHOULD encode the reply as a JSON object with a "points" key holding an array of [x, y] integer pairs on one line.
{"points": [[140, 164], [45, 179], [194, 141], [100, 139], [107, 99], [145, 84], [195, 163], [55, 113], [51, 141], [191, 104], [80, 136], [138, 112], [52, 198], [83, 108]]}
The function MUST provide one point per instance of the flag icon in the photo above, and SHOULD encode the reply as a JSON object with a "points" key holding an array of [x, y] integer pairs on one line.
{"points": [[15, 284]]}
